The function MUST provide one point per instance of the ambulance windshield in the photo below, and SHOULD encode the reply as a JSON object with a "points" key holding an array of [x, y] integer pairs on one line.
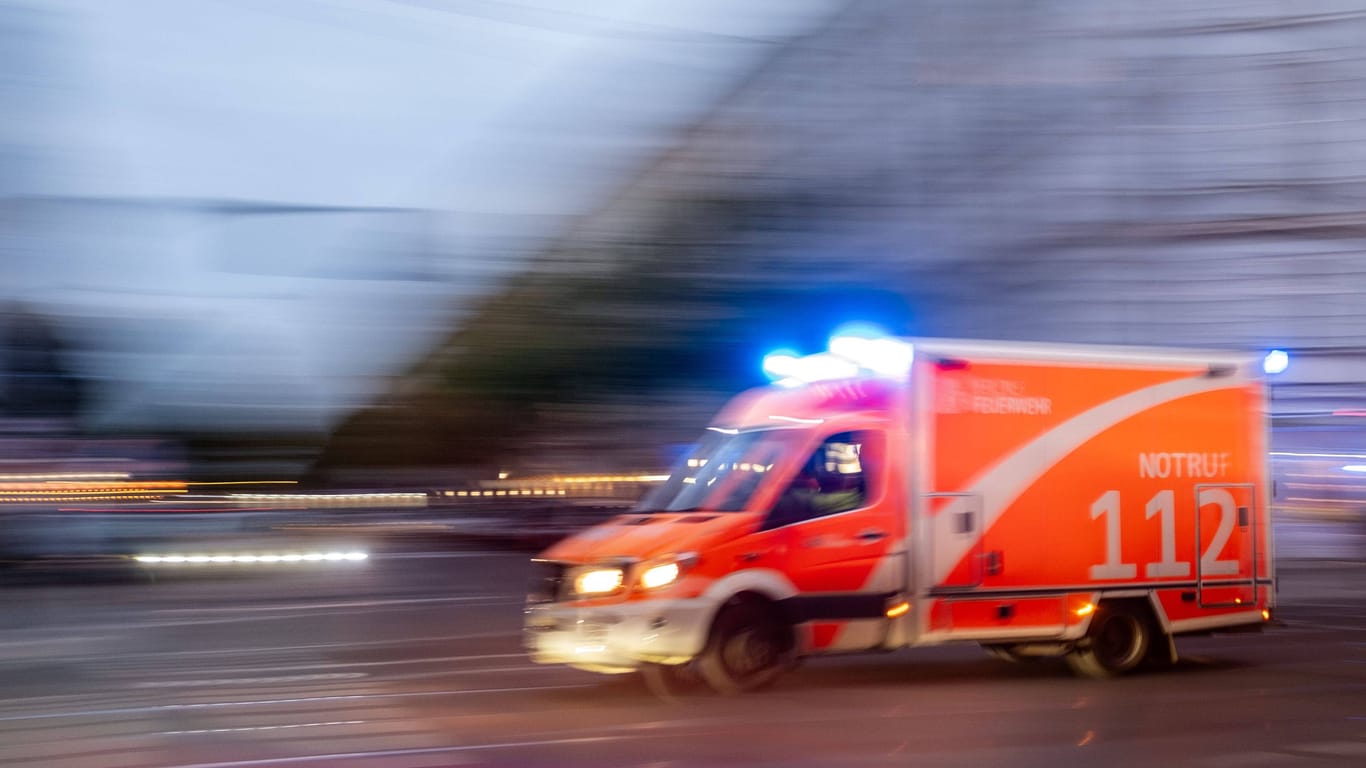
{"points": [[724, 471]]}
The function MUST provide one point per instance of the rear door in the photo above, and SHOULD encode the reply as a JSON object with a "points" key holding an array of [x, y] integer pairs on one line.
{"points": [[1226, 543]]}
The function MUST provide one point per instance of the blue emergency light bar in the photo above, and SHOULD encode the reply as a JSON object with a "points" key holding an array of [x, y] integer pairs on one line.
{"points": [[848, 357]]}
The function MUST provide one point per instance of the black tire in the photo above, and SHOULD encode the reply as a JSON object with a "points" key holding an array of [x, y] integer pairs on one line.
{"points": [[749, 648], [1116, 642], [673, 682], [1161, 653], [1005, 653]]}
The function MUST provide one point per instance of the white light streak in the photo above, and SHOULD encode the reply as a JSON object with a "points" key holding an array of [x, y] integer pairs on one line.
{"points": [[797, 420], [249, 559], [88, 476], [1319, 455], [265, 727]]}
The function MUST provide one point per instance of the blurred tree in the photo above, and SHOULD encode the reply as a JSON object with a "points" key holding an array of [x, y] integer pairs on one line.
{"points": [[609, 324]]}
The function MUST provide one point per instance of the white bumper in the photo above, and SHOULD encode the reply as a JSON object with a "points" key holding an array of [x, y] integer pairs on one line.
{"points": [[617, 638]]}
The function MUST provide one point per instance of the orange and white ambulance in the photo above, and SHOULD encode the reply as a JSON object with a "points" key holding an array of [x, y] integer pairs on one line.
{"points": [[1039, 499]]}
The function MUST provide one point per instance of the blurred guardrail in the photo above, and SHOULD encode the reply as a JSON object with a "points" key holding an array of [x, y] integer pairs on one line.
{"points": [[55, 518], [519, 522]]}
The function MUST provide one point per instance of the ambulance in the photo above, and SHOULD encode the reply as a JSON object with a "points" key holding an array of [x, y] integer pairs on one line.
{"points": [[1042, 500]]}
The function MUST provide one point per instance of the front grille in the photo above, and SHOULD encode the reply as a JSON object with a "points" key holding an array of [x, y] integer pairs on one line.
{"points": [[547, 582]]}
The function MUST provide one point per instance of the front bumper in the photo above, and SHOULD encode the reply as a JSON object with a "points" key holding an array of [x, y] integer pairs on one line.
{"points": [[619, 637]]}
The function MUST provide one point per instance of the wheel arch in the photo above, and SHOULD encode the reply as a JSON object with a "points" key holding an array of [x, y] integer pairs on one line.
{"points": [[758, 600]]}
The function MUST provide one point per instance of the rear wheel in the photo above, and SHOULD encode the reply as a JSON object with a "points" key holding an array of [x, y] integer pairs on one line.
{"points": [[748, 649], [1116, 642]]}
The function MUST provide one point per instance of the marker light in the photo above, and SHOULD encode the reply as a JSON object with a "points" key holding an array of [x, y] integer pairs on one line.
{"points": [[1276, 361], [1086, 609], [598, 581], [900, 609]]}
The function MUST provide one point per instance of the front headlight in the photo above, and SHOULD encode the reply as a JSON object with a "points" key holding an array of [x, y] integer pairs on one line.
{"points": [[598, 581], [660, 575], [665, 573]]}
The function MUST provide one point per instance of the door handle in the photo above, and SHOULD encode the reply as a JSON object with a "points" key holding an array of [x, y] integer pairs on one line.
{"points": [[871, 535], [749, 557]]}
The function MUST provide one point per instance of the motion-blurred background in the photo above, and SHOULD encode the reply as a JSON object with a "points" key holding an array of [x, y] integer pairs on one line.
{"points": [[432, 244], [317, 316]]}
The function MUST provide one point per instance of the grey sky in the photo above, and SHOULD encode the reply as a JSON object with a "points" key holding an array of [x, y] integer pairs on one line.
{"points": [[399, 102]]}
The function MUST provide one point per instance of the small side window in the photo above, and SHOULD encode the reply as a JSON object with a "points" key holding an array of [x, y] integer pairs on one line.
{"points": [[835, 478]]}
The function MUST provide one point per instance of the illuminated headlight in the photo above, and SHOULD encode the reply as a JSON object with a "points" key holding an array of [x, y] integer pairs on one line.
{"points": [[598, 581], [665, 573], [660, 575]]}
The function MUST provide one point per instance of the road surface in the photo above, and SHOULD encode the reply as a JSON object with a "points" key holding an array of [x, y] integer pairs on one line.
{"points": [[414, 659]]}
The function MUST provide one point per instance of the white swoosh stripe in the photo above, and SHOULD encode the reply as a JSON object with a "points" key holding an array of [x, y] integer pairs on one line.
{"points": [[1003, 483]]}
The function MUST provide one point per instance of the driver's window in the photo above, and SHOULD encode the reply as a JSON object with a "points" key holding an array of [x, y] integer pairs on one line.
{"points": [[836, 477]]}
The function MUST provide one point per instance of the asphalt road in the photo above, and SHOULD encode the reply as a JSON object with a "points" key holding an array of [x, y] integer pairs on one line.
{"points": [[414, 659]]}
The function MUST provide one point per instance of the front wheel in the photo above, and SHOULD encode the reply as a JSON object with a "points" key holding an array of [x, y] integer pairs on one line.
{"points": [[672, 682], [748, 649], [1116, 642], [1006, 653]]}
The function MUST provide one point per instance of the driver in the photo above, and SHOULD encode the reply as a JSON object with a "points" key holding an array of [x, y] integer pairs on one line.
{"points": [[822, 487]]}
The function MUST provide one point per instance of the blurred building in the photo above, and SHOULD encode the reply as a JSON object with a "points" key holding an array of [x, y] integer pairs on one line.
{"points": [[1177, 172]]}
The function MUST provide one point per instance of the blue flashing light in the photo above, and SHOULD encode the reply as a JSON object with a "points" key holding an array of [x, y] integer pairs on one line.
{"points": [[885, 356], [1354, 468], [855, 350], [1276, 361], [826, 367], [781, 364], [788, 370]]}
